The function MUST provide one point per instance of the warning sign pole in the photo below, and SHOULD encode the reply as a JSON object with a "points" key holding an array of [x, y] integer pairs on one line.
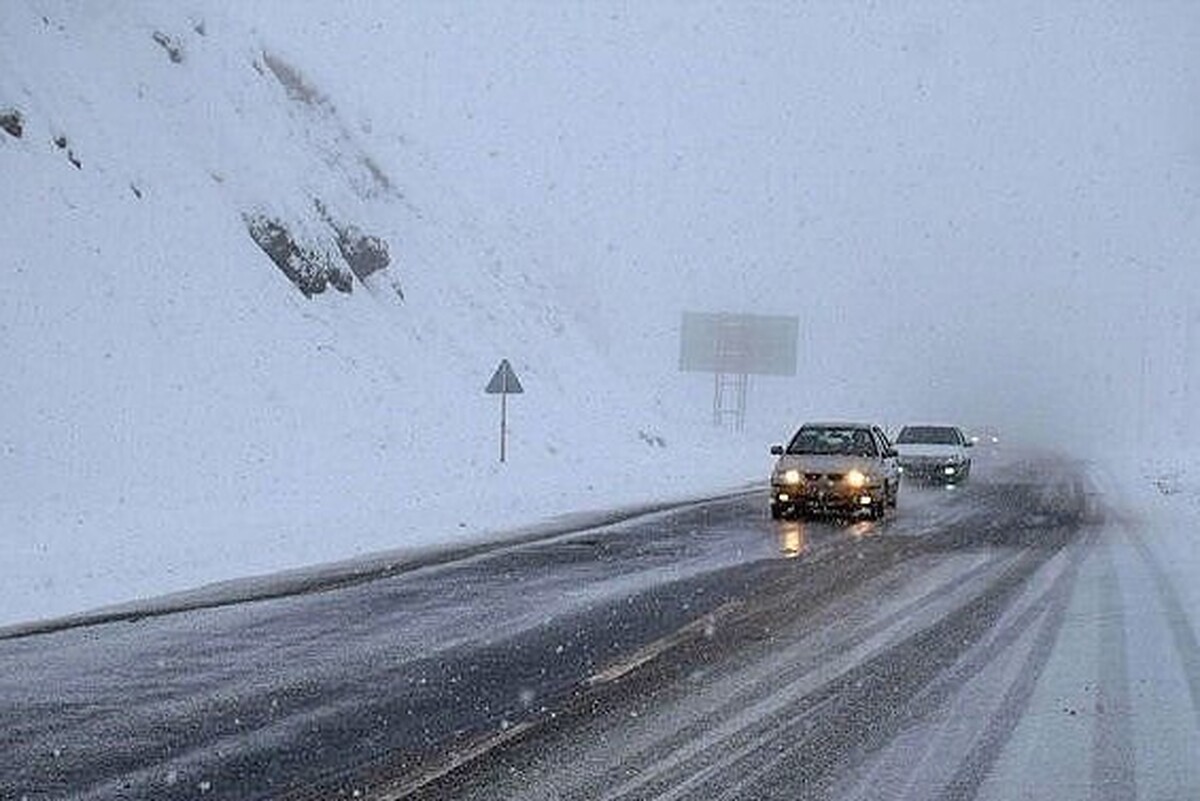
{"points": [[503, 424], [504, 381]]}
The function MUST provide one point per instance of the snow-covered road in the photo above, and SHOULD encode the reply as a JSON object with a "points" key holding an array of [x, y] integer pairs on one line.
{"points": [[1048, 652], [1029, 635]]}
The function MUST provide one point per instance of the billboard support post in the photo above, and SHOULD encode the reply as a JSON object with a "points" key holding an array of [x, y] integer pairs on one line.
{"points": [[733, 347]]}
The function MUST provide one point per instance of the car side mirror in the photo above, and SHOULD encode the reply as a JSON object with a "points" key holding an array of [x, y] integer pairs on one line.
{"points": [[777, 450], [891, 453], [969, 444]]}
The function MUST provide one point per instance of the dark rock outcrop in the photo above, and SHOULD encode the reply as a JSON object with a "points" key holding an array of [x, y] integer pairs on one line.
{"points": [[309, 268], [172, 45], [364, 253], [294, 83], [12, 122]]}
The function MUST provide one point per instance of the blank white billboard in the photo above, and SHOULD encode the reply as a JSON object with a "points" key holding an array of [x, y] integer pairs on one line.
{"points": [[749, 344]]}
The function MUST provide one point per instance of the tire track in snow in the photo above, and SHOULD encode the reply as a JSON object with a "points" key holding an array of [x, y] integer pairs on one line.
{"points": [[1113, 773], [843, 717], [1047, 614], [1114, 756], [771, 712]]}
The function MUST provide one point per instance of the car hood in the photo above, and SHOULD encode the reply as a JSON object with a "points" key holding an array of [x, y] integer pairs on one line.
{"points": [[944, 451], [813, 463]]}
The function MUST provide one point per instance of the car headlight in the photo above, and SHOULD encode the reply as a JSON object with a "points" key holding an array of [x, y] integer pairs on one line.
{"points": [[790, 477], [856, 479]]}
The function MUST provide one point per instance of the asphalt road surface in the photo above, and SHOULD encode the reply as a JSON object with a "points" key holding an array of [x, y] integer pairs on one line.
{"points": [[701, 653]]}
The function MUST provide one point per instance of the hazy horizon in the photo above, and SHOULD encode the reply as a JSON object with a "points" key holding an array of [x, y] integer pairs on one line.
{"points": [[981, 212]]}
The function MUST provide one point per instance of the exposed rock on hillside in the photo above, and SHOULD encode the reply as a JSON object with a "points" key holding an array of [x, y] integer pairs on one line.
{"points": [[309, 268], [366, 254], [11, 122], [170, 44], [60, 141], [294, 84]]}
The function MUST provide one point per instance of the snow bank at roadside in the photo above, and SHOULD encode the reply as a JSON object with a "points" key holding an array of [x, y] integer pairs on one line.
{"points": [[1158, 498], [1169, 492]]}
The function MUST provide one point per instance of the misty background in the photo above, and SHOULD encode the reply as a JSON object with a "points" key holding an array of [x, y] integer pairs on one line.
{"points": [[980, 212]]}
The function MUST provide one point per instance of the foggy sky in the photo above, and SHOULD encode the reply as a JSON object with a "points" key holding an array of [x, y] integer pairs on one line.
{"points": [[986, 212]]}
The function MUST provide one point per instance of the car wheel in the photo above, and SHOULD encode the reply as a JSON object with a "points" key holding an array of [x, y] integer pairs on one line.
{"points": [[877, 510], [776, 512], [893, 495]]}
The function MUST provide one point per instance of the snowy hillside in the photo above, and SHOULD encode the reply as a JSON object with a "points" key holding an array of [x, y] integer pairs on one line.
{"points": [[181, 408], [258, 260]]}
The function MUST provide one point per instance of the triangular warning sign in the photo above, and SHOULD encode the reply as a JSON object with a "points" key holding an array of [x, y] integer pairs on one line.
{"points": [[504, 381]]}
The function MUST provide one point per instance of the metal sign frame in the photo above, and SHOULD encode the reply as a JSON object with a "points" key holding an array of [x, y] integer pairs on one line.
{"points": [[733, 347]]}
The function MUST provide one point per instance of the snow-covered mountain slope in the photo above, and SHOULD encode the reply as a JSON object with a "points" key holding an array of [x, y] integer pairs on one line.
{"points": [[179, 408]]}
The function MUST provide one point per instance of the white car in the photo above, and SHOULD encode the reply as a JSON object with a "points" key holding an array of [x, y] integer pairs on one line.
{"points": [[934, 453]]}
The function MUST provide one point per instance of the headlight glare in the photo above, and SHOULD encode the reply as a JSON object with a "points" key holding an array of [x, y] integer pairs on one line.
{"points": [[856, 479], [791, 476]]}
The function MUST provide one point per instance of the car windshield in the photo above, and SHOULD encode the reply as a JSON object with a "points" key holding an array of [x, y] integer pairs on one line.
{"points": [[929, 435], [832, 441]]}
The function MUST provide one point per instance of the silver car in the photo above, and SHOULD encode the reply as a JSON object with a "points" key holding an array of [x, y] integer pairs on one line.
{"points": [[846, 468], [934, 453]]}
